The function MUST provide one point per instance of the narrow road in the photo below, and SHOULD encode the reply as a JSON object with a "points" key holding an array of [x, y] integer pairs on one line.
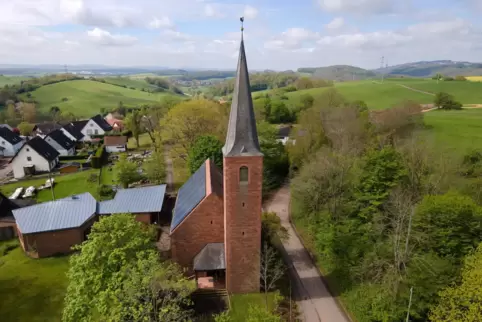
{"points": [[314, 300], [416, 90]]}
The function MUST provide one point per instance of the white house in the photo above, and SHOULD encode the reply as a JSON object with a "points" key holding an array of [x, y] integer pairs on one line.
{"points": [[283, 135], [10, 142], [42, 129], [74, 130], [35, 156], [95, 126], [115, 143], [60, 142], [7, 126]]}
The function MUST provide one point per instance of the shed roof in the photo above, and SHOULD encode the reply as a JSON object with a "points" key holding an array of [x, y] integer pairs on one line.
{"points": [[211, 257], [115, 140], [189, 196], [70, 212], [135, 200], [62, 139]]}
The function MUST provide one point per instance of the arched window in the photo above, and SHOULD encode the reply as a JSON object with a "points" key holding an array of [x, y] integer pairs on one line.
{"points": [[243, 174]]}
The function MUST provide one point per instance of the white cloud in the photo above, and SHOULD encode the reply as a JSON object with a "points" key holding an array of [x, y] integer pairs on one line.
{"points": [[357, 6], [163, 22], [176, 35], [336, 23], [212, 12], [105, 38], [250, 12]]}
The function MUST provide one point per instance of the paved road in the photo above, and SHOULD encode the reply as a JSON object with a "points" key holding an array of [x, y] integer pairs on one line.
{"points": [[314, 300]]}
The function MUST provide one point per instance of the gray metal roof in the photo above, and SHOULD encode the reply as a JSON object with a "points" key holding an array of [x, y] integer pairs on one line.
{"points": [[134, 200], [211, 257], [189, 196], [70, 212], [242, 136]]}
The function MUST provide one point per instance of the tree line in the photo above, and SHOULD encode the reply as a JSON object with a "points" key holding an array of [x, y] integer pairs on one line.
{"points": [[382, 213]]}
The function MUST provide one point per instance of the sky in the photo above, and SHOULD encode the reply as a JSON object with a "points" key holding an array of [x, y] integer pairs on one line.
{"points": [[279, 34]]}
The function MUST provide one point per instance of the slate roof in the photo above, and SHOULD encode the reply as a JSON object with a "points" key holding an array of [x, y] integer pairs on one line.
{"points": [[70, 212], [75, 129], [134, 200], [189, 196], [102, 123], [42, 148], [47, 127], [211, 257], [242, 136], [115, 140], [59, 137], [7, 205], [7, 126], [9, 136]]}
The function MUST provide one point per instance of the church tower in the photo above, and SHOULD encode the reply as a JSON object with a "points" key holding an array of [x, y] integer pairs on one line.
{"points": [[243, 178]]}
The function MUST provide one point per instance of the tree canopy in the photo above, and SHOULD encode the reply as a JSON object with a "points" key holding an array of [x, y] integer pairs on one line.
{"points": [[205, 147]]}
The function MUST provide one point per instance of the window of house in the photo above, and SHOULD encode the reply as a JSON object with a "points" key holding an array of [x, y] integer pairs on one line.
{"points": [[29, 159], [96, 131], [91, 124], [28, 150], [89, 132], [3, 142], [243, 175]]}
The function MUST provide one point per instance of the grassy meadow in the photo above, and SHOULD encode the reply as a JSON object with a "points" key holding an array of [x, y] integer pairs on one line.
{"points": [[31, 289], [11, 80], [130, 82], [85, 98]]}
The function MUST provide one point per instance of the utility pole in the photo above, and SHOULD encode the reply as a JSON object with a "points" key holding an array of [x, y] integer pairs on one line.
{"points": [[409, 304], [51, 186], [381, 66], [65, 69]]}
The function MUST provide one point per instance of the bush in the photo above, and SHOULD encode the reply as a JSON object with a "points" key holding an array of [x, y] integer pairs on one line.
{"points": [[64, 99], [73, 157], [99, 159], [448, 79], [106, 192], [5, 248], [460, 78]]}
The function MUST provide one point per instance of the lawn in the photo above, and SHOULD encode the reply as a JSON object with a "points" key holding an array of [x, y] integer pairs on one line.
{"points": [[31, 289], [240, 304], [65, 185], [145, 142], [85, 98]]}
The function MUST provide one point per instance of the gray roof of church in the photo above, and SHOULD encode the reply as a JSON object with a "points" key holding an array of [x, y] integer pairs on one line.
{"points": [[211, 257], [242, 136]]}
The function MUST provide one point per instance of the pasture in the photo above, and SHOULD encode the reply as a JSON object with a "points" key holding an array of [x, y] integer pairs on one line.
{"points": [[130, 82], [11, 80], [85, 98]]}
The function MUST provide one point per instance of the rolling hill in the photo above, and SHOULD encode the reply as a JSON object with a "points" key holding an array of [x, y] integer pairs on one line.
{"points": [[10, 80], [430, 68], [85, 98], [339, 73]]}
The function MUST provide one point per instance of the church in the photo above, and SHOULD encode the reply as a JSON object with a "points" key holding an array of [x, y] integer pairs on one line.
{"points": [[216, 225]]}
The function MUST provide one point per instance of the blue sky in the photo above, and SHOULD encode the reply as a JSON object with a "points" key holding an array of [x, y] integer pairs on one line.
{"points": [[203, 33]]}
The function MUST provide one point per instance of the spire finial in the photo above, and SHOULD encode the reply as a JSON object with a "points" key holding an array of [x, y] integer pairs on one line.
{"points": [[242, 26]]}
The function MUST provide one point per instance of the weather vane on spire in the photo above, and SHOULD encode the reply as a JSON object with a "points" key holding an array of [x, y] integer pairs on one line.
{"points": [[242, 24]]}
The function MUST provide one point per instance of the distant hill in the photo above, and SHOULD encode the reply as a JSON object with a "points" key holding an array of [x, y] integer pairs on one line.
{"points": [[430, 68], [339, 73]]}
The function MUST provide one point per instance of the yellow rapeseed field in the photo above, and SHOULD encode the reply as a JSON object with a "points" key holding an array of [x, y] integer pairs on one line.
{"points": [[474, 78]]}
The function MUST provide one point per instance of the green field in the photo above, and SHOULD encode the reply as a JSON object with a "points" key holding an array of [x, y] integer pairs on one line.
{"points": [[455, 132], [10, 80], [130, 82], [85, 98], [31, 289]]}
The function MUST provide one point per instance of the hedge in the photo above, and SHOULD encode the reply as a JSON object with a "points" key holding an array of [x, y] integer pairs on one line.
{"points": [[99, 159], [73, 157]]}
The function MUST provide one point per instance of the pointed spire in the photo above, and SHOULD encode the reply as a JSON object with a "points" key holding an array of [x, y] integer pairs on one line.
{"points": [[242, 136]]}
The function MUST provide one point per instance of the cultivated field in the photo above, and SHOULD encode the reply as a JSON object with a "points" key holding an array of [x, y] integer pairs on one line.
{"points": [[474, 78], [85, 98]]}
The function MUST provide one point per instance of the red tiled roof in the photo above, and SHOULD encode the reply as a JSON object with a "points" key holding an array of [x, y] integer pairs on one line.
{"points": [[115, 140]]}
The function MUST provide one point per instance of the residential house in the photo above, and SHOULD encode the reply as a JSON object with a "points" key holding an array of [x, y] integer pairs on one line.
{"points": [[7, 126], [283, 135], [52, 228], [7, 221], [145, 203], [216, 226], [73, 130], [35, 156], [115, 143], [60, 142], [42, 129], [117, 125], [95, 126], [10, 142]]}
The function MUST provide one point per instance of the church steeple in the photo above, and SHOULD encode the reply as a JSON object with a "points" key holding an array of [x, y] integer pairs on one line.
{"points": [[242, 136]]}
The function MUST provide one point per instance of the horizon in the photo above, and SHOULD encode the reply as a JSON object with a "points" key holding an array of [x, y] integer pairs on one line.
{"points": [[281, 36]]}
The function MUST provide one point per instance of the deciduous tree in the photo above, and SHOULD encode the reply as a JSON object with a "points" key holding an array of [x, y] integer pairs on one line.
{"points": [[133, 123], [205, 147], [126, 172]]}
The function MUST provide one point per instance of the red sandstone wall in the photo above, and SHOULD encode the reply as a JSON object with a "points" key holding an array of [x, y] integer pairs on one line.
{"points": [[203, 226], [144, 218], [242, 224]]}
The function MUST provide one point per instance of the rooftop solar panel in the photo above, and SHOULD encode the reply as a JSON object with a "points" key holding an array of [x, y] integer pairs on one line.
{"points": [[189, 196]]}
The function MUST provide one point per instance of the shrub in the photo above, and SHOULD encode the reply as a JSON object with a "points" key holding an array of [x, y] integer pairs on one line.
{"points": [[460, 78], [99, 158], [64, 99], [106, 192]]}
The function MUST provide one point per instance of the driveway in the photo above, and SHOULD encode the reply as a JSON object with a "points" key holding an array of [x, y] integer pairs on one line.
{"points": [[5, 168], [314, 300]]}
